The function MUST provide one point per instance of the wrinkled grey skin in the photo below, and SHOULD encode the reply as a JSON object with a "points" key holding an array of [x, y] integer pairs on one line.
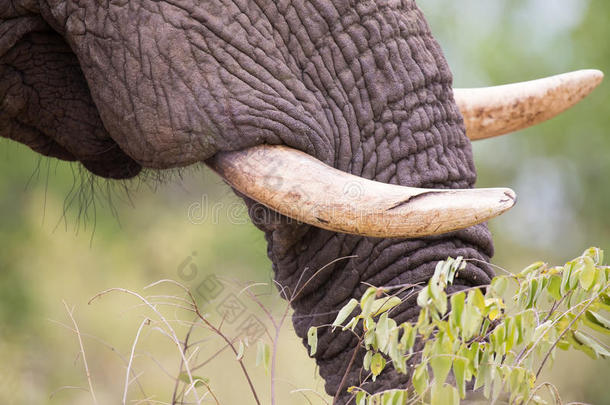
{"points": [[121, 85]]}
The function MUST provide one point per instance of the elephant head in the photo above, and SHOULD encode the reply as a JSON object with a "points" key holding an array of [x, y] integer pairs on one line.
{"points": [[335, 120]]}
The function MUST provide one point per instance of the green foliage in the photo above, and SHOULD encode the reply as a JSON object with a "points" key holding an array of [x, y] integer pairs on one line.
{"points": [[474, 336], [263, 355]]}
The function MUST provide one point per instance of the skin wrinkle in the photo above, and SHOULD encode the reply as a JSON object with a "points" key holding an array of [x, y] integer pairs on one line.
{"points": [[319, 72], [273, 142], [360, 85], [56, 116]]}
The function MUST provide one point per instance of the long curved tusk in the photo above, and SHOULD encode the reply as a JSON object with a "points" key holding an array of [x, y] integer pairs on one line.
{"points": [[495, 111], [305, 189]]}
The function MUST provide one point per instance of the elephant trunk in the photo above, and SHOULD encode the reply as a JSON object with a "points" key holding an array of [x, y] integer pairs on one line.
{"points": [[320, 271], [388, 97]]}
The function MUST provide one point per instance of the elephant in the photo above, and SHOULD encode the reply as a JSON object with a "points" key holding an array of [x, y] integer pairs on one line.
{"points": [[335, 120]]}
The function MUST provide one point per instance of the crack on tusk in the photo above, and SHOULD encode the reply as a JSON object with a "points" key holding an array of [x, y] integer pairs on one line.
{"points": [[510, 197], [411, 199]]}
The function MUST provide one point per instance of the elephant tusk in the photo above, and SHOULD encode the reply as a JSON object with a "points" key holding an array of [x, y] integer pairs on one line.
{"points": [[495, 111], [305, 189]]}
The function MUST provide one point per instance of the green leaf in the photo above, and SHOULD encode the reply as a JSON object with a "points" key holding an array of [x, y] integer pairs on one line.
{"points": [[407, 341], [459, 371], [440, 303], [441, 360], [588, 274], [574, 277], [471, 357], [597, 322], [596, 348], [367, 301], [385, 304], [498, 286], [497, 384], [596, 254], [498, 338], [263, 355], [565, 279], [351, 325], [542, 330], [484, 371], [345, 312], [517, 375], [471, 318], [512, 334], [377, 364], [382, 332], [441, 365], [370, 339], [366, 363], [554, 287], [198, 381], [312, 340], [601, 280], [394, 397], [531, 268], [420, 378], [532, 293], [423, 297], [445, 395], [477, 299], [527, 325], [397, 355], [457, 308], [361, 398]]}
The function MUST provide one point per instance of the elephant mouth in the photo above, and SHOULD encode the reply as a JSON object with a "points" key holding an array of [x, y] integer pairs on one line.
{"points": [[302, 188]]}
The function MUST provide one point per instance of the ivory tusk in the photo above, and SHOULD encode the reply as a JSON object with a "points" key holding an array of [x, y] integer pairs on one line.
{"points": [[305, 189], [495, 111]]}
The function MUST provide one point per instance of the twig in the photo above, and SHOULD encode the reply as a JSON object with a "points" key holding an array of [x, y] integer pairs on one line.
{"points": [[278, 328], [64, 388], [551, 388], [260, 304], [173, 336], [294, 297], [209, 359], [108, 346], [218, 332], [82, 351], [133, 350], [302, 390], [349, 366], [548, 354], [556, 304]]}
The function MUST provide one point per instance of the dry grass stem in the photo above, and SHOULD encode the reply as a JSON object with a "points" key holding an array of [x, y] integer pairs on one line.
{"points": [[82, 351]]}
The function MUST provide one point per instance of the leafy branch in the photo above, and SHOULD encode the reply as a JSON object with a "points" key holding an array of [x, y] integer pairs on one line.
{"points": [[480, 339]]}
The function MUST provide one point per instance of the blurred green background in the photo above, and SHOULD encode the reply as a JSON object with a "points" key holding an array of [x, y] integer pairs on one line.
{"points": [[60, 240]]}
